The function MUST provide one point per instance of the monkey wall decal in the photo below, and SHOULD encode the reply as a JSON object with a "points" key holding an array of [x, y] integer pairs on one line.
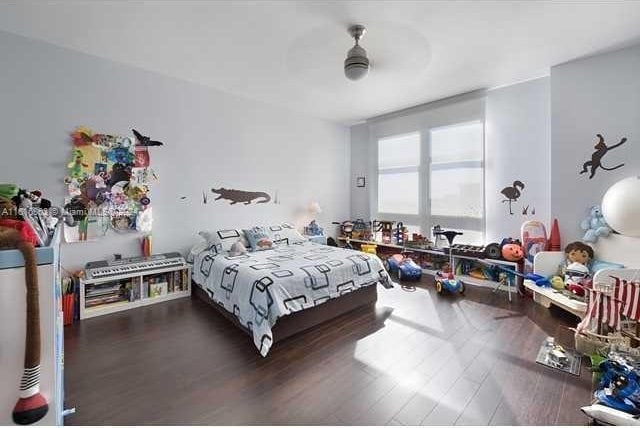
{"points": [[596, 158]]}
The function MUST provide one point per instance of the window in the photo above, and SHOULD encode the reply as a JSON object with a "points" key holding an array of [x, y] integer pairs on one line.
{"points": [[456, 184], [440, 182], [398, 174]]}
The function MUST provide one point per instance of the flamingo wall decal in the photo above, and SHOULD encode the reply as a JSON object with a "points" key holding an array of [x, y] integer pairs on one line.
{"points": [[512, 193]]}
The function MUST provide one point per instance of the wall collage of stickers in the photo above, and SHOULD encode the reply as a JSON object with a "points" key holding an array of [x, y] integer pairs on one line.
{"points": [[109, 181]]}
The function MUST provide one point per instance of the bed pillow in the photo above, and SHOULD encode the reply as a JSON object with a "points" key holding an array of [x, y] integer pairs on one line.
{"points": [[258, 238], [285, 233], [222, 240], [195, 250]]}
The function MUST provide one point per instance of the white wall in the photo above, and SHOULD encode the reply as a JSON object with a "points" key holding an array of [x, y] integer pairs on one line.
{"points": [[517, 138], [596, 95], [360, 168], [211, 139], [517, 141]]}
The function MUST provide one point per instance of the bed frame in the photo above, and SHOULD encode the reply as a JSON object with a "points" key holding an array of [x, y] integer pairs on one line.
{"points": [[297, 322]]}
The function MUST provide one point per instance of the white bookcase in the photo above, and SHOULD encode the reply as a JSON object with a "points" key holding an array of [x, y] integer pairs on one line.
{"points": [[137, 290]]}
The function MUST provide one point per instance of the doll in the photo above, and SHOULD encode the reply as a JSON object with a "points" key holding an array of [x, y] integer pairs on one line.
{"points": [[578, 252]]}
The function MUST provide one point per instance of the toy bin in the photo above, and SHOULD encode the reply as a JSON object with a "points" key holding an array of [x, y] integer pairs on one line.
{"points": [[68, 303], [369, 248]]}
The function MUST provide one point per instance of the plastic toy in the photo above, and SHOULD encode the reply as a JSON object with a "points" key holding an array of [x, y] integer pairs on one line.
{"points": [[313, 229], [403, 266], [446, 280], [534, 240], [346, 228], [594, 226], [512, 250]]}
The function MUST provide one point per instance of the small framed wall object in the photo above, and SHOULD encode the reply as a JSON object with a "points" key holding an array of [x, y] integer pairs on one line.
{"points": [[361, 182]]}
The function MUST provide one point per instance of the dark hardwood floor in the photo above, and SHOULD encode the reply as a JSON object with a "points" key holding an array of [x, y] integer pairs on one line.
{"points": [[416, 358]]}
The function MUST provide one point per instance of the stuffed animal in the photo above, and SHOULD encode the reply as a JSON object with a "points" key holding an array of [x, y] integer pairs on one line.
{"points": [[76, 164], [237, 249], [313, 229], [594, 226], [16, 234]]}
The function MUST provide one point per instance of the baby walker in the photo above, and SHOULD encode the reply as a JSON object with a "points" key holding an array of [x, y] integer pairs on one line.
{"points": [[447, 281]]}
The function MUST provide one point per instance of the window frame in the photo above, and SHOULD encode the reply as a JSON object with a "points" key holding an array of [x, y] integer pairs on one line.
{"points": [[424, 219]]}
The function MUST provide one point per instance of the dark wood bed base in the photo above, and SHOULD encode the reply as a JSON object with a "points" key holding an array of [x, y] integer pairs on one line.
{"points": [[297, 322]]}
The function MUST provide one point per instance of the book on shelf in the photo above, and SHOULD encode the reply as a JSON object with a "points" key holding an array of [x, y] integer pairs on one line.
{"points": [[158, 289]]}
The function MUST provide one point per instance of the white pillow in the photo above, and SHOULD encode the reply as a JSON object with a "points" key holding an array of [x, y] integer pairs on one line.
{"points": [[195, 250], [285, 233], [222, 240]]}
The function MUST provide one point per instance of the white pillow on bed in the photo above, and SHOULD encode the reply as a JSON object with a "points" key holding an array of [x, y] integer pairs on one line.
{"points": [[223, 239], [195, 250], [285, 233]]}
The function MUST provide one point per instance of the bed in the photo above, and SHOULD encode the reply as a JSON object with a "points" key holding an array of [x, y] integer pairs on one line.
{"points": [[276, 293]]}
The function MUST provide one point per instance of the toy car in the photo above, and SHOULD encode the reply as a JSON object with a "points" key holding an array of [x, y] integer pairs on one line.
{"points": [[404, 267], [446, 281]]}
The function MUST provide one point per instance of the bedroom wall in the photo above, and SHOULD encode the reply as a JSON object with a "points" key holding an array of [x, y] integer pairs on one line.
{"points": [[211, 139], [599, 94], [517, 141], [360, 168], [517, 138]]}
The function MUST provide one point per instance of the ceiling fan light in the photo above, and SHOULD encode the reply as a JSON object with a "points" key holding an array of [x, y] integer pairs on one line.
{"points": [[356, 65]]}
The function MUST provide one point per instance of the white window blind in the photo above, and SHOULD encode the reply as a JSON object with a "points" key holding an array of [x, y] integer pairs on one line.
{"points": [[398, 174], [456, 182]]}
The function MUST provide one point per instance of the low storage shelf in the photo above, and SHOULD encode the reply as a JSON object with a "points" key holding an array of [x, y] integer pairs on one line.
{"points": [[442, 257], [122, 292]]}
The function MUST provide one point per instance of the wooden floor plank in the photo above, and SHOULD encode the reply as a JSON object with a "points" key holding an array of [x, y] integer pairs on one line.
{"points": [[417, 357]]}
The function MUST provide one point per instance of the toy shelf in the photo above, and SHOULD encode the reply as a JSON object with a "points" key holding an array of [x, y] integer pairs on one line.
{"points": [[467, 279], [124, 292]]}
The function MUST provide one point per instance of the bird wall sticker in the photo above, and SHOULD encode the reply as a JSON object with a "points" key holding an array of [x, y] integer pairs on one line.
{"points": [[144, 140], [512, 193], [601, 149]]}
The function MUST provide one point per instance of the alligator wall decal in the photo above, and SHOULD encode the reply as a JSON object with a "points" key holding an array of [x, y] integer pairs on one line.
{"points": [[236, 196]]}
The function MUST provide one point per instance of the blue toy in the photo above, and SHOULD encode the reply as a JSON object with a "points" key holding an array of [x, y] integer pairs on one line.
{"points": [[446, 281], [404, 267], [313, 229], [540, 281], [594, 226]]}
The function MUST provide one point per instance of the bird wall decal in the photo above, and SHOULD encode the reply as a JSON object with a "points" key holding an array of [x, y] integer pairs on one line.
{"points": [[143, 140], [512, 193]]}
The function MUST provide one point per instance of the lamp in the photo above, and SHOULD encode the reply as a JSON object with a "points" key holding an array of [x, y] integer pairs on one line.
{"points": [[621, 206], [314, 208]]}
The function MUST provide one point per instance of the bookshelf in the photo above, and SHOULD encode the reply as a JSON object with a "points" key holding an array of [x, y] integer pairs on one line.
{"points": [[123, 292]]}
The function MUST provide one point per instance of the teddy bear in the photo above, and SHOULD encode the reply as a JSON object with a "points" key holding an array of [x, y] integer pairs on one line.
{"points": [[594, 225]]}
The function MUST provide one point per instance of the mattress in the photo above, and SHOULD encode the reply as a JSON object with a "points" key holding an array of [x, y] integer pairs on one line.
{"points": [[260, 287]]}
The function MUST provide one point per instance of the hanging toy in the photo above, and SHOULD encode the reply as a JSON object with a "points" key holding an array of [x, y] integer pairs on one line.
{"points": [[31, 405]]}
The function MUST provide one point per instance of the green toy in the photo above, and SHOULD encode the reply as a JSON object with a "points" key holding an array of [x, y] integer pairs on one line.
{"points": [[76, 164], [8, 191]]}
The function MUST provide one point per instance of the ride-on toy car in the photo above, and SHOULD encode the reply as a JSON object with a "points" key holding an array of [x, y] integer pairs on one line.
{"points": [[446, 280], [403, 266]]}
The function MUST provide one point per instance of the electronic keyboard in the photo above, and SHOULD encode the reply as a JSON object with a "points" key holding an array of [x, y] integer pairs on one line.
{"points": [[133, 265]]}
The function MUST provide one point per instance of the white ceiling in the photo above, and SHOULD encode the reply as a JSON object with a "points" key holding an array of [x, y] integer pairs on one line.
{"points": [[290, 53]]}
